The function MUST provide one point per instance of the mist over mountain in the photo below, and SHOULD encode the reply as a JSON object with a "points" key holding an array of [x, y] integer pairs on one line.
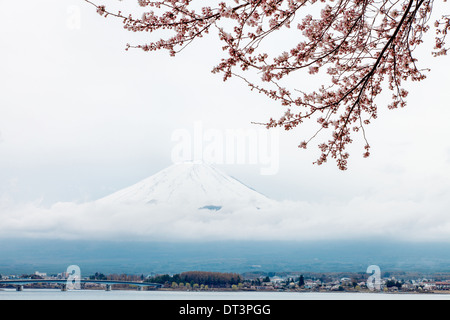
{"points": [[143, 257], [196, 202], [192, 216]]}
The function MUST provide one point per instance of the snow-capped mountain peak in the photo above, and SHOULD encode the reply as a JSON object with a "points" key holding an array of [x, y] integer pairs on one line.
{"points": [[190, 184]]}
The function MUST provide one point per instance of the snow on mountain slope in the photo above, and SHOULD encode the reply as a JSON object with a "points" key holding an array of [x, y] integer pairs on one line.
{"points": [[190, 185]]}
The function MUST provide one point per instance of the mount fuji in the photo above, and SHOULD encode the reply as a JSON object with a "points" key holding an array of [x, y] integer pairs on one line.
{"points": [[190, 185]]}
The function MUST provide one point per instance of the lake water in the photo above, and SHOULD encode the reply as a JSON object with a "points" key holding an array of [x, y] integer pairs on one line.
{"points": [[47, 294]]}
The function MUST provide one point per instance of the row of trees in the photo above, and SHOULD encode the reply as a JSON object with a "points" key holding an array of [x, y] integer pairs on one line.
{"points": [[205, 280], [214, 279]]}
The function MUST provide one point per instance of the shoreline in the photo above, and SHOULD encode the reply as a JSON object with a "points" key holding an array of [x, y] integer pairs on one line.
{"points": [[168, 290]]}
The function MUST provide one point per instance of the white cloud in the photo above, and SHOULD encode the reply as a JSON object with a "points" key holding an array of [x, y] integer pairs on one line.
{"points": [[361, 218]]}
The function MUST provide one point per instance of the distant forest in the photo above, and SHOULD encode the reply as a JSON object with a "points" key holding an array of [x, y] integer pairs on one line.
{"points": [[212, 279]]}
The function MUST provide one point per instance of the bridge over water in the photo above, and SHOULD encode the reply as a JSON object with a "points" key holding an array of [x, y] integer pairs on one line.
{"points": [[19, 283]]}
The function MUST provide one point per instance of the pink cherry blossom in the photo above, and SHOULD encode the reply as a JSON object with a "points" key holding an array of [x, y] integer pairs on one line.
{"points": [[358, 48]]}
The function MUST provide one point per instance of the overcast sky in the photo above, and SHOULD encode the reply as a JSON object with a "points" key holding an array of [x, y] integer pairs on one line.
{"points": [[81, 118]]}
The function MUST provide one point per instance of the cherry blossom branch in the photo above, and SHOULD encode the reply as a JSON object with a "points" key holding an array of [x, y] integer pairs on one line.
{"points": [[358, 47]]}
